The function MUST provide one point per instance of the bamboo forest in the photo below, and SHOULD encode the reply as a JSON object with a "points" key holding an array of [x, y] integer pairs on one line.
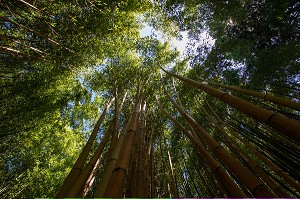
{"points": [[96, 101]]}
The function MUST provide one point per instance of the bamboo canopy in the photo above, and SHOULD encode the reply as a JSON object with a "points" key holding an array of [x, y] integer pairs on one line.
{"points": [[92, 106]]}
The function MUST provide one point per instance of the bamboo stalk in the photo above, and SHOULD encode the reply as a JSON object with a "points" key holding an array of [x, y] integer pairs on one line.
{"points": [[152, 173], [79, 184], [266, 97], [90, 180], [130, 181], [140, 188], [253, 184], [115, 132], [288, 127], [174, 193], [265, 159], [252, 164], [217, 169], [148, 166], [113, 156], [78, 166], [111, 163], [117, 180]]}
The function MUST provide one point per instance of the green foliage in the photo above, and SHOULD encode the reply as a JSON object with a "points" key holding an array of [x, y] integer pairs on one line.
{"points": [[61, 61]]}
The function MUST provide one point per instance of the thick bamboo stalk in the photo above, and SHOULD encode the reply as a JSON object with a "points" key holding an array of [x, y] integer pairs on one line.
{"points": [[111, 163], [114, 151], [90, 180], [152, 173], [78, 166], [117, 181], [288, 127], [217, 169], [115, 132], [253, 184], [79, 184], [130, 181], [266, 97], [251, 163], [140, 188], [148, 166], [265, 159]]}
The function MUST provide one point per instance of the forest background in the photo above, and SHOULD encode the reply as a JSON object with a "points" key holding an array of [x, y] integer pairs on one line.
{"points": [[63, 61]]}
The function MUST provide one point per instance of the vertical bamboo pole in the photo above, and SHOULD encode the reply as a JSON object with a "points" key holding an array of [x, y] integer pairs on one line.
{"points": [[90, 180], [79, 184], [140, 184], [113, 155], [130, 180], [174, 191], [111, 163], [115, 131], [117, 181], [147, 175], [288, 127], [78, 166], [152, 187]]}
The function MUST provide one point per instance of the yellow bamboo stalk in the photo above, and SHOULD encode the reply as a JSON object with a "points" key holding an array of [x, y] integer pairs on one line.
{"points": [[173, 192], [117, 180], [227, 182], [288, 127], [78, 166], [140, 188], [265, 159], [266, 97], [276, 188], [79, 184], [253, 184], [111, 164]]}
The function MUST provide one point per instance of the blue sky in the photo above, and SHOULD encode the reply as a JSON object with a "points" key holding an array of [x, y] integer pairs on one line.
{"points": [[179, 44], [205, 38]]}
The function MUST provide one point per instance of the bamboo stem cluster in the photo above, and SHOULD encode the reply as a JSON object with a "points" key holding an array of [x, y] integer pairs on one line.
{"points": [[139, 160]]}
